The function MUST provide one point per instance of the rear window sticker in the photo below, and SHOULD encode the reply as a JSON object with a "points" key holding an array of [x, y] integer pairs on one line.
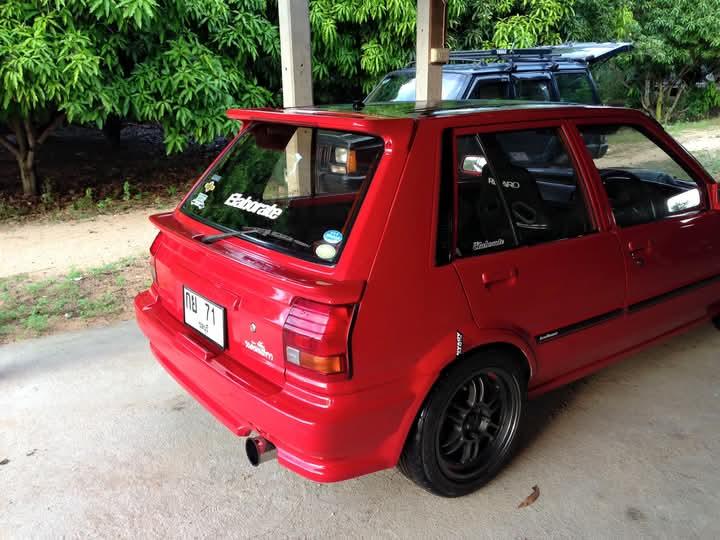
{"points": [[478, 246], [332, 236], [238, 200], [216, 178], [209, 186], [199, 200], [325, 251]]}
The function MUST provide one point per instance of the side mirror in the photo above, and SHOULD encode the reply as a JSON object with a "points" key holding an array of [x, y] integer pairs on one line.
{"points": [[473, 165], [686, 200]]}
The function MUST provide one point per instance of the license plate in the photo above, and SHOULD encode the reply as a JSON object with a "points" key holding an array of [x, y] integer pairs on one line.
{"points": [[204, 316]]}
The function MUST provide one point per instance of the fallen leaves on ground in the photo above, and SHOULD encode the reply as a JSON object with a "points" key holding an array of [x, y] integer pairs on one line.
{"points": [[530, 498]]}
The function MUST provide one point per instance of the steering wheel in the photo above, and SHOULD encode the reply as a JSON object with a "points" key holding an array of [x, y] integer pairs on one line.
{"points": [[630, 198]]}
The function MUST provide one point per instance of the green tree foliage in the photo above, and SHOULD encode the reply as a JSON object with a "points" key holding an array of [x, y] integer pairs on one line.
{"points": [[179, 63], [355, 42], [676, 43], [675, 40]]}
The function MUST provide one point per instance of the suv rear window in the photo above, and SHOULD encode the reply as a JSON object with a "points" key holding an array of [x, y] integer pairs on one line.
{"points": [[289, 188]]}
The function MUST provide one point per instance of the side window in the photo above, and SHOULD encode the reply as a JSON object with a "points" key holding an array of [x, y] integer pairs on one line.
{"points": [[642, 181], [533, 89], [575, 88], [490, 89], [516, 188]]}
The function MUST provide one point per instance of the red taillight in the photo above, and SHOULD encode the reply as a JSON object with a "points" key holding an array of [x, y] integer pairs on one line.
{"points": [[315, 338]]}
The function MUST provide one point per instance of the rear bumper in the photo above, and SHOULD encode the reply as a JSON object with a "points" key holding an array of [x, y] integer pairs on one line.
{"points": [[322, 438]]}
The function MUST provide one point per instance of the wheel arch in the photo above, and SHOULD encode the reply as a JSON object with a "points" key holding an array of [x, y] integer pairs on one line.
{"points": [[499, 340]]}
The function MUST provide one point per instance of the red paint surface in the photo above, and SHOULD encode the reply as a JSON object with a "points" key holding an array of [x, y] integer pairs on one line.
{"points": [[408, 309]]}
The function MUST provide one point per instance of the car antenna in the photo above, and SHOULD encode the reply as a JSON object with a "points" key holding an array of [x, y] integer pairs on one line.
{"points": [[358, 105]]}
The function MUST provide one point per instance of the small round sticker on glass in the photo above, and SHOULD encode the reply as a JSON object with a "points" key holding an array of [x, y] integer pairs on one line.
{"points": [[325, 251], [332, 236]]}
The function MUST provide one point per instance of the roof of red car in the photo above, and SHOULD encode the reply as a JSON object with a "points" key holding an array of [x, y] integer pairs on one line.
{"points": [[409, 110]]}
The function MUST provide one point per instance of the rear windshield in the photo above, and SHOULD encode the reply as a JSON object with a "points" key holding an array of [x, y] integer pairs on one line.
{"points": [[289, 188], [401, 87]]}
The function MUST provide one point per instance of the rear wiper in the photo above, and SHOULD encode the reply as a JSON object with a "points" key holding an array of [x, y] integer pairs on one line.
{"points": [[247, 231]]}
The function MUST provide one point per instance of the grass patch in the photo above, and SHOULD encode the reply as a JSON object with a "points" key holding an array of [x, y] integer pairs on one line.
{"points": [[680, 128], [80, 298], [710, 160]]}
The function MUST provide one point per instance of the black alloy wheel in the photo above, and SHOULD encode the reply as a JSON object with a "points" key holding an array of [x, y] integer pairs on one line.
{"points": [[467, 429]]}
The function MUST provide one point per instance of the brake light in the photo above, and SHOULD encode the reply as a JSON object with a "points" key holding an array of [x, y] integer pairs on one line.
{"points": [[315, 337]]}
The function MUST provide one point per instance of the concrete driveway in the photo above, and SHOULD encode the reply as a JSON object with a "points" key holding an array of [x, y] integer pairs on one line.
{"points": [[102, 442]]}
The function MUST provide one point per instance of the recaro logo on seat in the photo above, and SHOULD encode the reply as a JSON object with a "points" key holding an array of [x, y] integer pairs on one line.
{"points": [[237, 200], [512, 184]]}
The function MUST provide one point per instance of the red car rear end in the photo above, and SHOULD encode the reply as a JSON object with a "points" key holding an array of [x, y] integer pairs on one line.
{"points": [[254, 322], [366, 290]]}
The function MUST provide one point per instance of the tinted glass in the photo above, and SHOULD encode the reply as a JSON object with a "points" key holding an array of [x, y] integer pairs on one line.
{"points": [[575, 88], [275, 186], [516, 188], [489, 89], [642, 181], [401, 87], [533, 89]]}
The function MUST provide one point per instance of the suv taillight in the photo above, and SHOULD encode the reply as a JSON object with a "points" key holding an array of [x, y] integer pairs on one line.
{"points": [[315, 337]]}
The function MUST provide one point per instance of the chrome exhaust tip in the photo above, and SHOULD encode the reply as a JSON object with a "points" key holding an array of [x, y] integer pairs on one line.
{"points": [[259, 450]]}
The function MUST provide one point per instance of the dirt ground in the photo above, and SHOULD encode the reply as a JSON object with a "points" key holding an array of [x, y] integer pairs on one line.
{"points": [[32, 306], [703, 143], [47, 248]]}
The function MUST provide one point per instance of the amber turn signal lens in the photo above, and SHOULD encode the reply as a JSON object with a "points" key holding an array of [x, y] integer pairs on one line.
{"points": [[351, 162], [327, 365]]}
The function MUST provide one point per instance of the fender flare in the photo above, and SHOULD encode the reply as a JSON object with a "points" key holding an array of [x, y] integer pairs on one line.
{"points": [[431, 367]]}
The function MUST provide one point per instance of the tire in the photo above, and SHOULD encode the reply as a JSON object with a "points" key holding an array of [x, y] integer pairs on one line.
{"points": [[716, 322], [467, 429]]}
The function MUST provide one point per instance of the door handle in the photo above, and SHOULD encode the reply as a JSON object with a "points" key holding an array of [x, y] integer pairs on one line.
{"points": [[639, 250], [503, 276]]}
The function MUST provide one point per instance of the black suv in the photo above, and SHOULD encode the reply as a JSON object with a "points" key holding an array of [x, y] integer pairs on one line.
{"points": [[552, 73]]}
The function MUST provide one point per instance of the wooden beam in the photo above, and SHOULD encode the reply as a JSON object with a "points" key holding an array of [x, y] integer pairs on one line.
{"points": [[431, 53], [295, 52]]}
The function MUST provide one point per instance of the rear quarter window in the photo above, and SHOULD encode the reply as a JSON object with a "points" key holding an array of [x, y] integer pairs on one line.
{"points": [[575, 88]]}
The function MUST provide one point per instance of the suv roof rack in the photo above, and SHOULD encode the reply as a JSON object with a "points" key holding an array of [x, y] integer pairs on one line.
{"points": [[584, 53]]}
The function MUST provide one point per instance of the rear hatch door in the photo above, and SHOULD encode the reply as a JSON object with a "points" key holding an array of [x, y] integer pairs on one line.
{"points": [[590, 53], [252, 293]]}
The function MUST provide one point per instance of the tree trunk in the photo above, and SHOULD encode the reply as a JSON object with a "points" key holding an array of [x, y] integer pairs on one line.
{"points": [[24, 148], [660, 101], [28, 175]]}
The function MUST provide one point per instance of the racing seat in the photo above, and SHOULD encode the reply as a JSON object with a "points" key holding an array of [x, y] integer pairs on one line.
{"points": [[523, 199]]}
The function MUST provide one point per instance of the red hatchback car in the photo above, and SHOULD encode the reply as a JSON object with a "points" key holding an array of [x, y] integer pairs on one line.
{"points": [[480, 253]]}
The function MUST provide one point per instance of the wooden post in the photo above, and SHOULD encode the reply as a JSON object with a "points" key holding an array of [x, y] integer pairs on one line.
{"points": [[296, 62], [295, 53], [431, 53]]}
